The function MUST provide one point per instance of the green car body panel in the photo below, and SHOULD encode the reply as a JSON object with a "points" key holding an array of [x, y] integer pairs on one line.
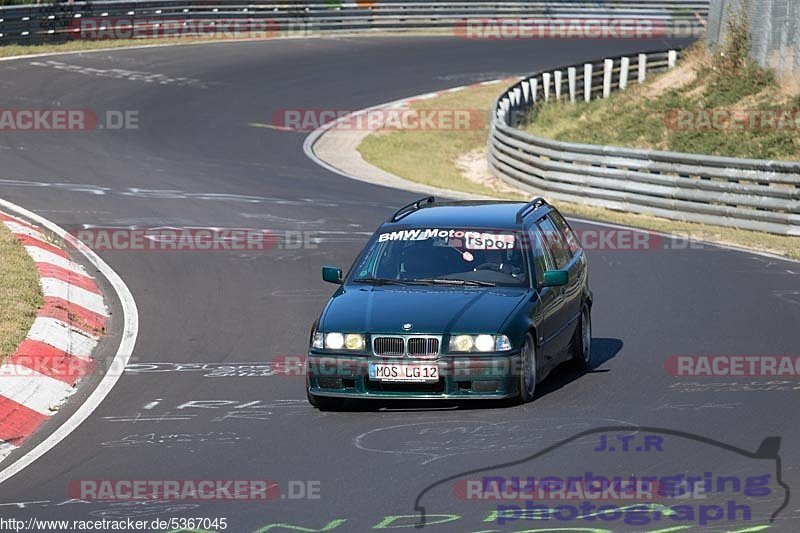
{"points": [[540, 299]]}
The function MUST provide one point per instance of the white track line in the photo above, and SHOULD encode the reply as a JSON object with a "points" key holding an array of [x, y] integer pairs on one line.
{"points": [[130, 331]]}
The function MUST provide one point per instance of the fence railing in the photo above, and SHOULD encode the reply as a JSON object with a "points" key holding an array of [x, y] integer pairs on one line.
{"points": [[141, 19], [744, 193]]}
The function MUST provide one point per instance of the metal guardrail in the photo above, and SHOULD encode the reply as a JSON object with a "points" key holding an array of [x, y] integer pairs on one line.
{"points": [[744, 193], [58, 22]]}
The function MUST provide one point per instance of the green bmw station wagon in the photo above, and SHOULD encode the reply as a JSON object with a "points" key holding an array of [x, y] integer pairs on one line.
{"points": [[455, 300]]}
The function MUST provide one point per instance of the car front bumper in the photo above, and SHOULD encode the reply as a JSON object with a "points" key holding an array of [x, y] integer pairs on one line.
{"points": [[461, 377]]}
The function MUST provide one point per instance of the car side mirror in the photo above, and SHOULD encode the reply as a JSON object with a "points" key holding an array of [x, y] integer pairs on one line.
{"points": [[555, 278], [332, 274]]}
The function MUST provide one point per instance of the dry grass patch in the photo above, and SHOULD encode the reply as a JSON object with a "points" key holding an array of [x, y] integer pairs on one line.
{"points": [[20, 294]]}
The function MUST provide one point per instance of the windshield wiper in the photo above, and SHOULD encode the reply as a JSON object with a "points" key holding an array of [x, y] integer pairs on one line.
{"points": [[449, 281], [383, 281]]}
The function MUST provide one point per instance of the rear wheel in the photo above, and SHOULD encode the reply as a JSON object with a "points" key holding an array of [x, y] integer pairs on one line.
{"points": [[582, 344], [527, 375]]}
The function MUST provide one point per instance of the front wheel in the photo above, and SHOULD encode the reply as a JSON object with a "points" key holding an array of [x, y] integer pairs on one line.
{"points": [[582, 345], [527, 375]]}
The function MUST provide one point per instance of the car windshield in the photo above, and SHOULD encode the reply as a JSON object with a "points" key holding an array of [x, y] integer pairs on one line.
{"points": [[444, 256]]}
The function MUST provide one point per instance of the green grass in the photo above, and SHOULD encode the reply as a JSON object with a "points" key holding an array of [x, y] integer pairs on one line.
{"points": [[20, 294], [640, 116]]}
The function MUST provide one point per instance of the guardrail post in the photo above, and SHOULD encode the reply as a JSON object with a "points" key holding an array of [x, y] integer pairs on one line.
{"points": [[558, 79], [672, 58], [546, 84], [534, 89], [572, 76], [642, 67], [623, 73], [587, 82], [607, 72], [517, 96], [526, 90]]}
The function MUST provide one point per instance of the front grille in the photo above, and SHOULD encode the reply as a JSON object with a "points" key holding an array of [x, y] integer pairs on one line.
{"points": [[423, 346], [406, 345], [389, 346]]}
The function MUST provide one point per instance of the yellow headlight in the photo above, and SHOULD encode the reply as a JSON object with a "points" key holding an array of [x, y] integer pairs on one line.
{"points": [[463, 343], [353, 341]]}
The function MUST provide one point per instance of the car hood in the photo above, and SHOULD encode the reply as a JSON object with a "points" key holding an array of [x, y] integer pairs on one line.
{"points": [[434, 310]]}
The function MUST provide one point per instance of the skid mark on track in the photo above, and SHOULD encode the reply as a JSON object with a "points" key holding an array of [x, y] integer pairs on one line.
{"points": [[124, 74], [436, 440], [176, 440], [206, 411]]}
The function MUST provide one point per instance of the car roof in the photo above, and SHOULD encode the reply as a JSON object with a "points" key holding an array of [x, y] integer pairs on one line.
{"points": [[468, 214]]}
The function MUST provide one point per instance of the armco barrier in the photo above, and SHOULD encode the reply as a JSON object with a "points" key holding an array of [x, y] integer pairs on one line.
{"points": [[744, 193], [61, 21]]}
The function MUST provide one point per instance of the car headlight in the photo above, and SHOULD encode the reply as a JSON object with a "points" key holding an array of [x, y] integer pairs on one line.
{"points": [[338, 341], [354, 341], [479, 343], [318, 341], [462, 343]]}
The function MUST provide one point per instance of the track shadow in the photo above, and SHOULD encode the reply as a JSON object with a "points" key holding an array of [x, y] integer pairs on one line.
{"points": [[603, 350]]}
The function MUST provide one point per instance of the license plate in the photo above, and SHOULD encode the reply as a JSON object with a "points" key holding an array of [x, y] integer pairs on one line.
{"points": [[414, 372]]}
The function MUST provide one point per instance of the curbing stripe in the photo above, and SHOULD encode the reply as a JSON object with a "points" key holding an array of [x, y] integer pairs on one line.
{"points": [[22, 229], [45, 246], [32, 389], [75, 295], [51, 271], [18, 422], [47, 365], [75, 316], [51, 362], [6, 448], [61, 335], [40, 255]]}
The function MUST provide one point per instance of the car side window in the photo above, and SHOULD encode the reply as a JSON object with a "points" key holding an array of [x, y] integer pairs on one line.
{"points": [[556, 243], [572, 239], [542, 260]]}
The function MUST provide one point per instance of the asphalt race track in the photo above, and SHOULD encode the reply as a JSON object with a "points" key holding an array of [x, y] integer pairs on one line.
{"points": [[195, 161]]}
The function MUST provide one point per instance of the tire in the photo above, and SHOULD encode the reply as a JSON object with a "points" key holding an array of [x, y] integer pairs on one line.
{"points": [[324, 403], [582, 343], [528, 372]]}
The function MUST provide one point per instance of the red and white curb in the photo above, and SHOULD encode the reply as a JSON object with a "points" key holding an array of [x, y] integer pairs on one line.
{"points": [[57, 353]]}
